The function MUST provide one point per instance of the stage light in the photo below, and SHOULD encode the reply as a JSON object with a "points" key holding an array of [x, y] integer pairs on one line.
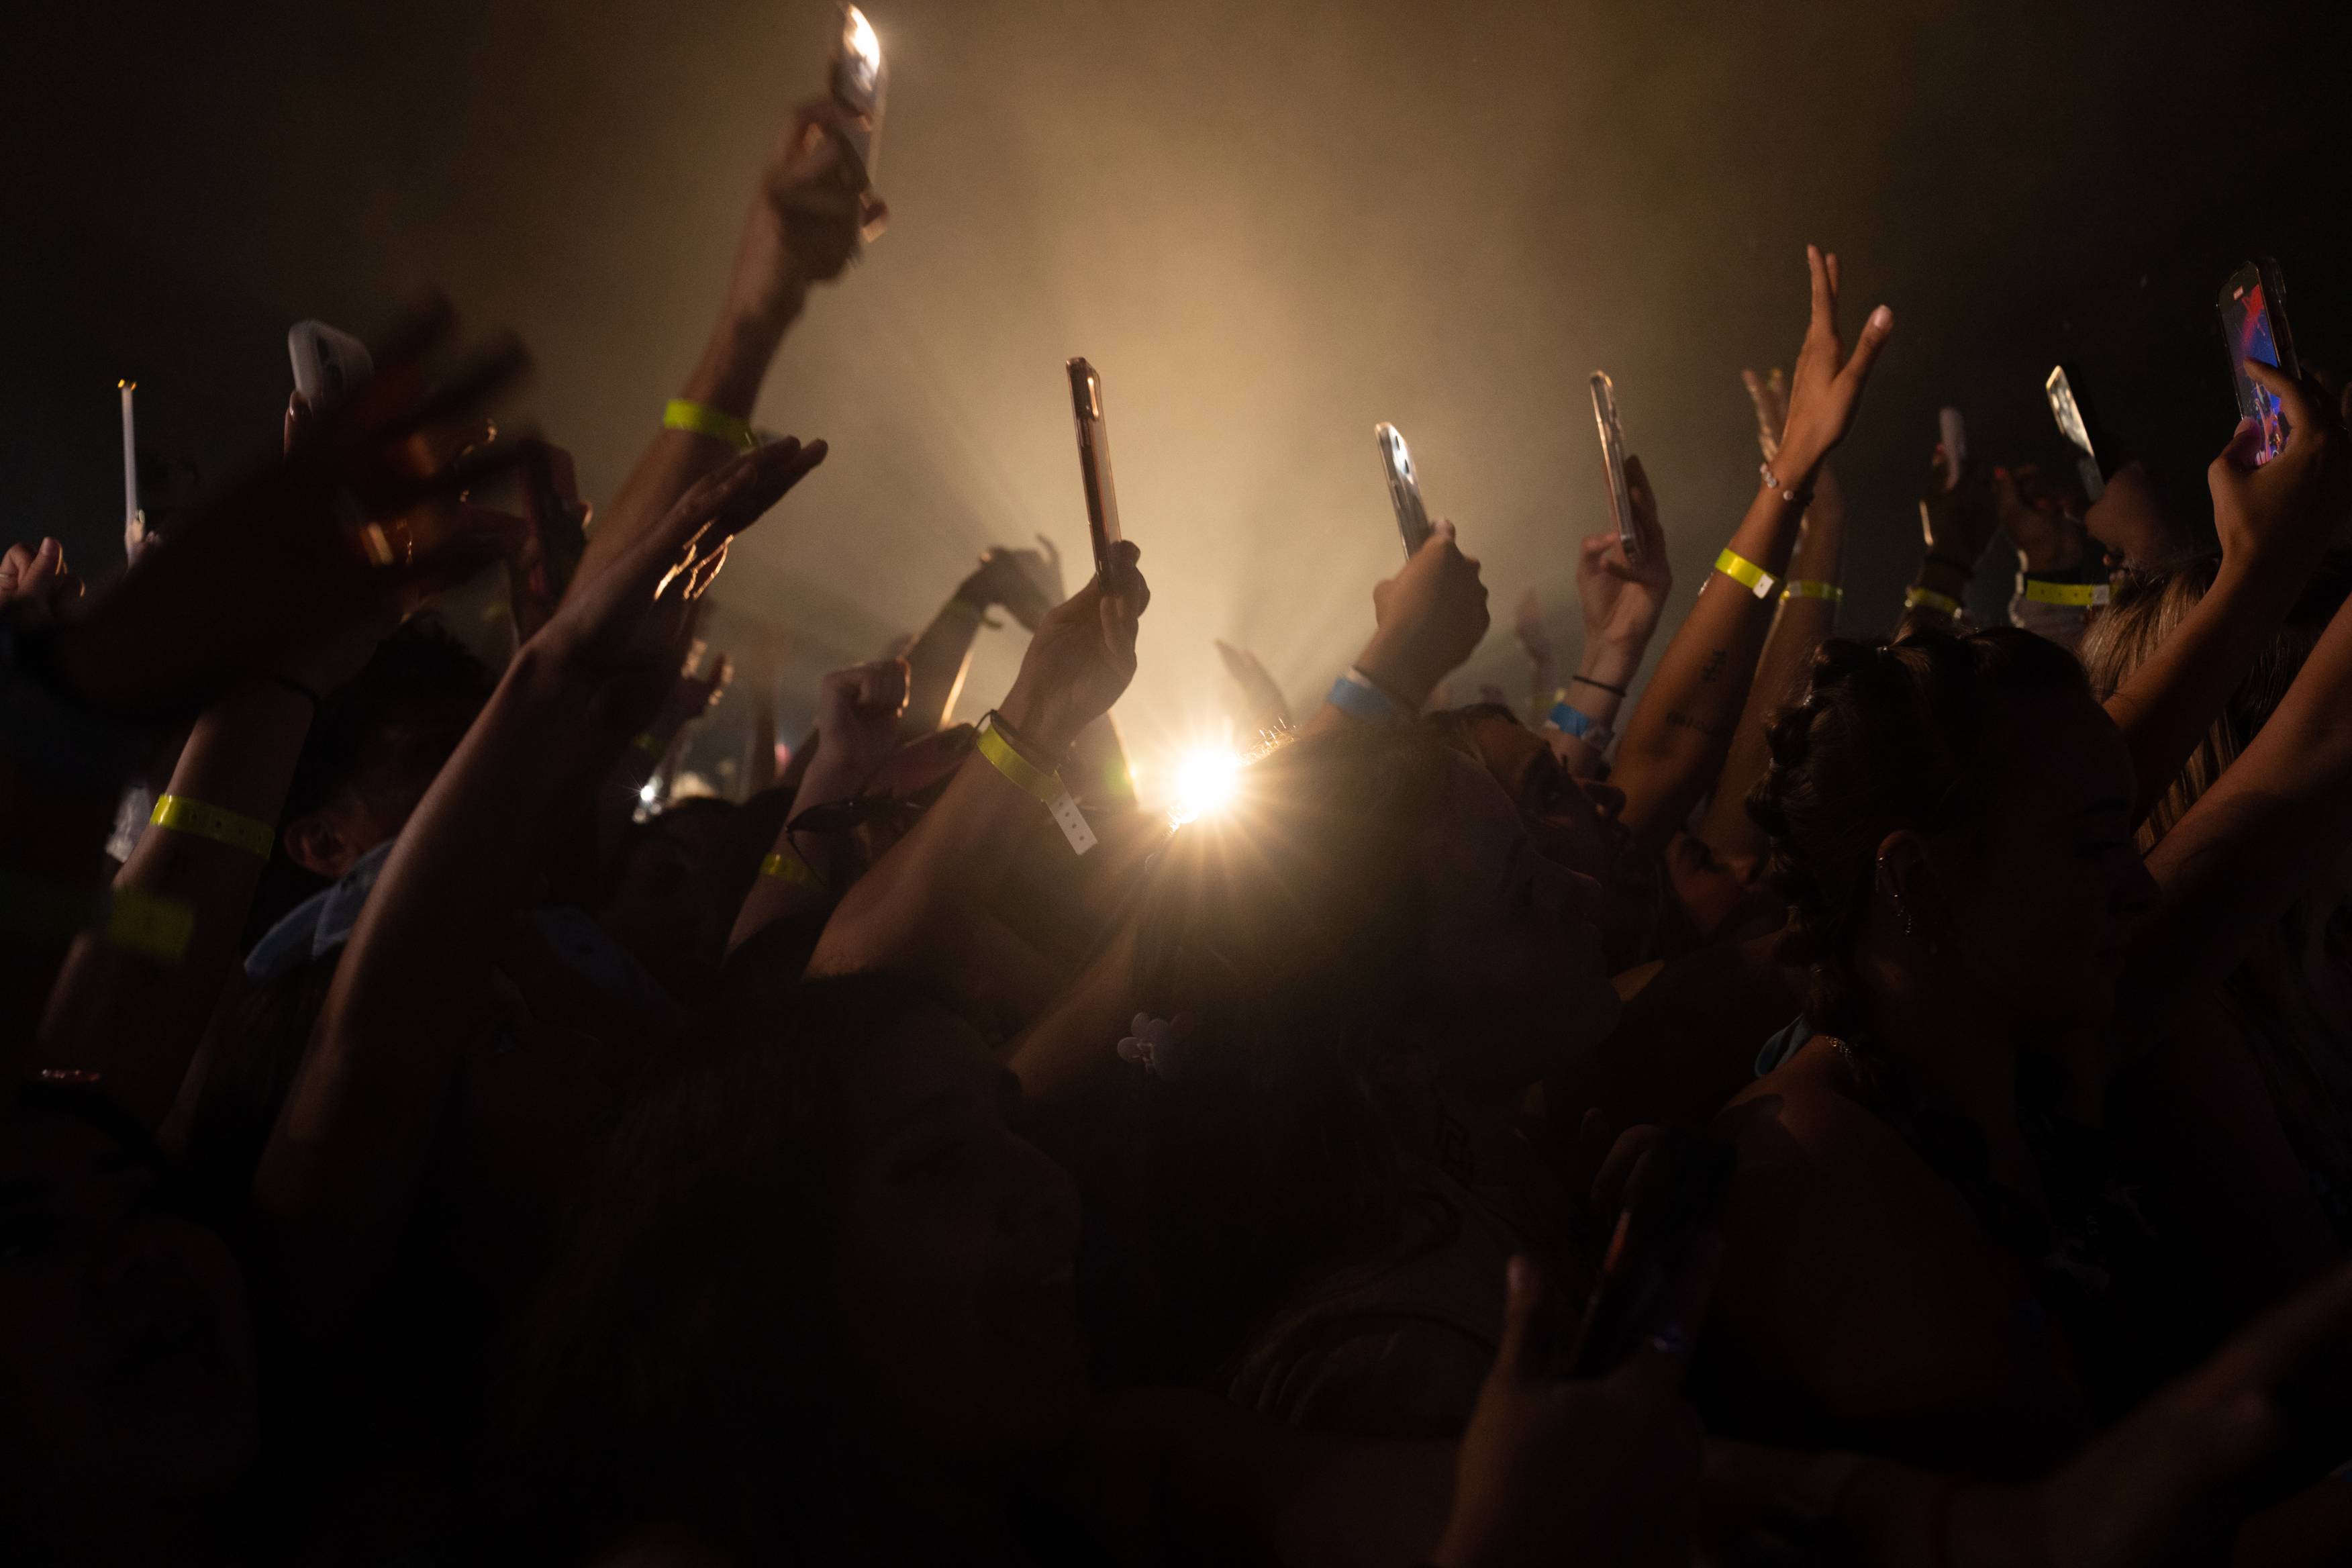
{"points": [[1206, 778]]}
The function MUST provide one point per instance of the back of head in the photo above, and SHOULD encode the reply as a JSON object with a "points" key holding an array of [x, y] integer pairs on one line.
{"points": [[1282, 937], [2150, 606], [1887, 736]]}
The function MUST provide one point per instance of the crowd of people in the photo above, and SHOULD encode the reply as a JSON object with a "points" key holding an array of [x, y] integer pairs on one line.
{"points": [[422, 1148]]}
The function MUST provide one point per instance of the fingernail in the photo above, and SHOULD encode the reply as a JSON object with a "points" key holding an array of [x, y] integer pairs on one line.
{"points": [[1882, 318]]}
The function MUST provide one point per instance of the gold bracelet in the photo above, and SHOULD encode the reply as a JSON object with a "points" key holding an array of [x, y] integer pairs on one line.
{"points": [[181, 814]]}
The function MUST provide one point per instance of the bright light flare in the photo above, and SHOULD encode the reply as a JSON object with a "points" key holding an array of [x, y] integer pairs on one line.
{"points": [[1207, 778], [864, 46]]}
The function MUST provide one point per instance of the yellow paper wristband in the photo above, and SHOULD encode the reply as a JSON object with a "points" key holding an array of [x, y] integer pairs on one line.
{"points": [[1812, 588], [1047, 787], [2078, 595], [785, 867], [1747, 574], [37, 909], [1916, 598], [181, 814], [701, 420]]}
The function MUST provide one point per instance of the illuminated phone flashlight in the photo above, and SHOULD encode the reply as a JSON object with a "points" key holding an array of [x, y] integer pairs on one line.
{"points": [[859, 81]]}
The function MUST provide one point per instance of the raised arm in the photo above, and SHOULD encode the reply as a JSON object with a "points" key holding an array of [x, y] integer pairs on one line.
{"points": [[1427, 620], [1621, 604], [2274, 521], [340, 1163], [1672, 747], [1806, 619], [1024, 582], [916, 910], [807, 219]]}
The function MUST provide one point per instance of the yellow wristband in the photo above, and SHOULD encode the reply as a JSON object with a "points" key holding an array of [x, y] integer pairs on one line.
{"points": [[787, 867], [1047, 788], [181, 814], [34, 908], [1812, 588], [1917, 598], [2078, 595], [1747, 574], [701, 420]]}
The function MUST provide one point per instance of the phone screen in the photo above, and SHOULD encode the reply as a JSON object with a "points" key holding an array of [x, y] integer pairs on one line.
{"points": [[2246, 319]]}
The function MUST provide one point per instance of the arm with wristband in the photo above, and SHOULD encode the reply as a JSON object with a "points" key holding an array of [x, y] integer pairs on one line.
{"points": [[415, 981], [802, 229], [857, 712], [939, 658], [2275, 521], [1957, 521], [1622, 604], [1805, 618], [1429, 619], [1672, 748], [917, 910]]}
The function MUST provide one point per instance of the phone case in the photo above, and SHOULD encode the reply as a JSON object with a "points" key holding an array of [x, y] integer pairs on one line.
{"points": [[329, 365], [2074, 418], [859, 80], [2253, 309], [1404, 487], [1094, 463], [1612, 459]]}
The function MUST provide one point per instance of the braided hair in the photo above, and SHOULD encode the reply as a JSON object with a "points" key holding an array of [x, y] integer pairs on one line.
{"points": [[1906, 734]]}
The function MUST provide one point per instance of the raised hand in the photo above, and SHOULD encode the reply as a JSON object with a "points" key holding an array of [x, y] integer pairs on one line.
{"points": [[1081, 658], [1826, 387], [813, 211], [627, 619], [857, 713], [266, 565], [1956, 524], [1622, 602], [1025, 583], [1430, 617], [2034, 517], [38, 576], [2286, 509], [2126, 520], [1770, 394]]}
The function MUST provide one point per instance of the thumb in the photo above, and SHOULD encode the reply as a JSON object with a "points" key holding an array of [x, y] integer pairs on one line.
{"points": [[1874, 333], [2244, 444], [1520, 1354]]}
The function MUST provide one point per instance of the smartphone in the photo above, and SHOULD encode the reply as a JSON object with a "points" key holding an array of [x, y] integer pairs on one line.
{"points": [[1613, 458], [858, 81], [1404, 488], [1094, 464], [2097, 452], [329, 365], [1674, 1197], [2254, 324], [1953, 432], [557, 523]]}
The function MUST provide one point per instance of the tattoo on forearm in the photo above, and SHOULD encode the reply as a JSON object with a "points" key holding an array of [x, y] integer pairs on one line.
{"points": [[1714, 666]]}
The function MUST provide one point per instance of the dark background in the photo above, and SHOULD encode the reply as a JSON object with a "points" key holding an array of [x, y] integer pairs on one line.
{"points": [[1269, 226]]}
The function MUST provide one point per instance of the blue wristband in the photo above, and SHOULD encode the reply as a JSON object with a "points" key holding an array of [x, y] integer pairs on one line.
{"points": [[1572, 720], [1354, 695]]}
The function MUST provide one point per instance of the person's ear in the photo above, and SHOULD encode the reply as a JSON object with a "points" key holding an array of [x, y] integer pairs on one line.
{"points": [[1905, 877], [317, 843]]}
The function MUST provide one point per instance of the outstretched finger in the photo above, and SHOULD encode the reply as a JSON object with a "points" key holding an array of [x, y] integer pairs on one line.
{"points": [[1824, 318], [1522, 1353]]}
